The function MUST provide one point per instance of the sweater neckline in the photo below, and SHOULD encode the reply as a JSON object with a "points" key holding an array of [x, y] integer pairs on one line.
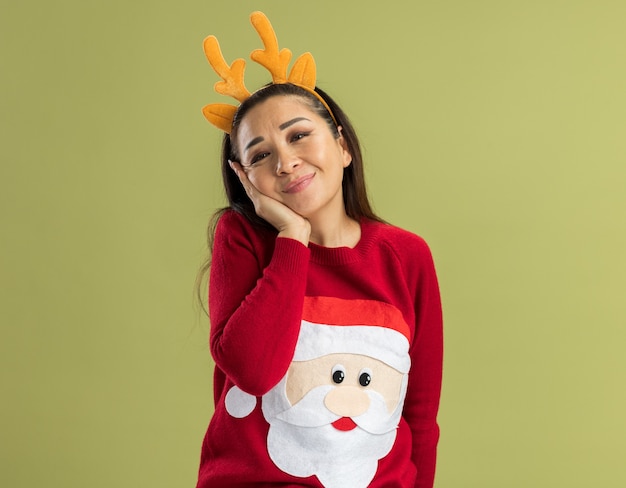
{"points": [[334, 256]]}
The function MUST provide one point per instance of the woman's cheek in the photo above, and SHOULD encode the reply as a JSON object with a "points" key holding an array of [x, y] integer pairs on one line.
{"points": [[264, 186]]}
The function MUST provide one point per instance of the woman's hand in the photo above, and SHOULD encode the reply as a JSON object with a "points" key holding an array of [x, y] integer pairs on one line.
{"points": [[286, 221]]}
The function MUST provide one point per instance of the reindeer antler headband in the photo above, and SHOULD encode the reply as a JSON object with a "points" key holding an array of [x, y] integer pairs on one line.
{"points": [[274, 60]]}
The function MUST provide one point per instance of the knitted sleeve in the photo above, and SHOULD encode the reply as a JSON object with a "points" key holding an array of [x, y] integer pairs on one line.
{"points": [[255, 306], [422, 402]]}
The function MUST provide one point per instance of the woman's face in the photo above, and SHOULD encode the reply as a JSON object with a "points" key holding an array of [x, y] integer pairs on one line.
{"points": [[290, 154]]}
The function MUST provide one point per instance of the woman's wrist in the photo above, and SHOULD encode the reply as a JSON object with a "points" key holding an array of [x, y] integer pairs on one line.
{"points": [[300, 231]]}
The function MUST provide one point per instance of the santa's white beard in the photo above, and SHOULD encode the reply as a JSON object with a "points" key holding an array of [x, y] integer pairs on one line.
{"points": [[302, 442]]}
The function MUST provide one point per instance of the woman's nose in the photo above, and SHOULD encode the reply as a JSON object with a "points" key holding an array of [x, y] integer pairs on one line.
{"points": [[286, 161]]}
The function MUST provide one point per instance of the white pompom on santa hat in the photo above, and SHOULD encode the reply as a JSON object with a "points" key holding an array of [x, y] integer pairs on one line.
{"points": [[368, 327]]}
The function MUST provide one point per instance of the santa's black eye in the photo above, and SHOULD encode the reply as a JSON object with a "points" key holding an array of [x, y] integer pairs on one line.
{"points": [[365, 378], [339, 373]]}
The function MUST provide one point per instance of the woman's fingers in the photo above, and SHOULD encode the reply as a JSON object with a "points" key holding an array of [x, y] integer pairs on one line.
{"points": [[266, 207], [286, 221], [243, 178]]}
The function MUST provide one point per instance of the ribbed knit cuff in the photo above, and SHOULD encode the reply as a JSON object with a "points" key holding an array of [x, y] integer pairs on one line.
{"points": [[290, 255]]}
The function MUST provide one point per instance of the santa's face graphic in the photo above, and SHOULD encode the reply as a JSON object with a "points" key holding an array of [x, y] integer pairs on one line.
{"points": [[334, 417], [335, 412], [356, 386]]}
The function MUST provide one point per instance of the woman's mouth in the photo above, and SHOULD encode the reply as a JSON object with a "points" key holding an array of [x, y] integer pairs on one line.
{"points": [[299, 184]]}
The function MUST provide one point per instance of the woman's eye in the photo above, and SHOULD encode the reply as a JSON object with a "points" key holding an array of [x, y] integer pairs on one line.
{"points": [[299, 135], [259, 157]]}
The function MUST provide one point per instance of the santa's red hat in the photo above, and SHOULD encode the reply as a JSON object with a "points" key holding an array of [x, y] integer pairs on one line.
{"points": [[368, 327]]}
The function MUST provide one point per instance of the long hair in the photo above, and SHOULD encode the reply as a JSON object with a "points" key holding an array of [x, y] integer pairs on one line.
{"points": [[355, 199]]}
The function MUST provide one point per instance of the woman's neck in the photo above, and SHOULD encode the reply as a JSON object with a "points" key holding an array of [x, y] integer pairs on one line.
{"points": [[343, 232]]}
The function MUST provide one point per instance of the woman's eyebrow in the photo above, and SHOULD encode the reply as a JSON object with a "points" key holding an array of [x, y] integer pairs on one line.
{"points": [[254, 141], [289, 123], [282, 126]]}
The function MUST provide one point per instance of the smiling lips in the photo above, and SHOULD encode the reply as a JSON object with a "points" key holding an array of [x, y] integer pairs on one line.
{"points": [[299, 184]]}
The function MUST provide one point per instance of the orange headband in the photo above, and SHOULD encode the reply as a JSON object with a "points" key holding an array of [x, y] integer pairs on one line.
{"points": [[302, 73]]}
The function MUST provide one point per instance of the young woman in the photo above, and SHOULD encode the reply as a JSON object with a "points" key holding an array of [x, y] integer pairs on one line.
{"points": [[326, 325]]}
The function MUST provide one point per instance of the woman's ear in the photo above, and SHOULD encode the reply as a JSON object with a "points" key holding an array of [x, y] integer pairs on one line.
{"points": [[347, 156]]}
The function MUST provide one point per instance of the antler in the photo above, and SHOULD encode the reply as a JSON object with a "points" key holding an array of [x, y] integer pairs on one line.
{"points": [[232, 75], [302, 73], [275, 61], [271, 58]]}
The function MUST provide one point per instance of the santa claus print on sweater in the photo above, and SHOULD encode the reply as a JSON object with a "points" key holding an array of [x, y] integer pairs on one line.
{"points": [[335, 412]]}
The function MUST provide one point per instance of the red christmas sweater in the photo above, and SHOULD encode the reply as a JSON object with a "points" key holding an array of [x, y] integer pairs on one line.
{"points": [[328, 361]]}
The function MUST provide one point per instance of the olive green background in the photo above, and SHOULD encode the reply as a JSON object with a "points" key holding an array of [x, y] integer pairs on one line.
{"points": [[495, 129]]}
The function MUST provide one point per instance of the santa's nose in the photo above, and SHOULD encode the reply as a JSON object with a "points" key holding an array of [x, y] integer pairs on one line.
{"points": [[347, 401]]}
